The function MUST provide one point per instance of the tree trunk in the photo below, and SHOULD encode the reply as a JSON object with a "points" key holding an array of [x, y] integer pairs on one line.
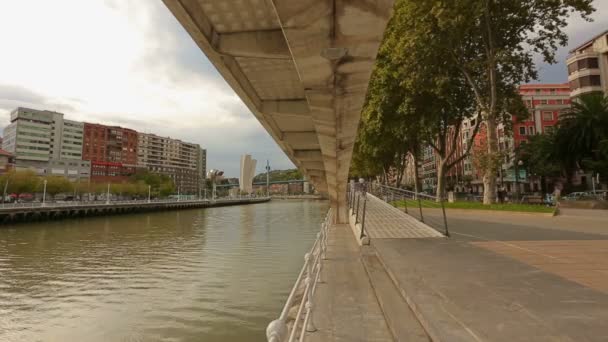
{"points": [[417, 187], [441, 171], [489, 177]]}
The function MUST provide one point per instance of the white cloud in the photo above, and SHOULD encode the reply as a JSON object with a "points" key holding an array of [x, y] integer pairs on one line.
{"points": [[125, 62]]}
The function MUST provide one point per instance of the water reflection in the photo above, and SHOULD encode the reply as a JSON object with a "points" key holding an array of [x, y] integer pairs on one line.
{"points": [[215, 274]]}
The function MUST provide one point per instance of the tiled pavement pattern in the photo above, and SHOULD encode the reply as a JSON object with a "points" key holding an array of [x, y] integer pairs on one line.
{"points": [[582, 261], [382, 221], [345, 307]]}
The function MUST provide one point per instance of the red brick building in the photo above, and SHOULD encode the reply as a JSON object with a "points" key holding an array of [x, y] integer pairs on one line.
{"points": [[545, 103], [112, 151]]}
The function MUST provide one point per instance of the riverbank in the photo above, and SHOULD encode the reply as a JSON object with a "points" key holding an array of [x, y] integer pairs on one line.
{"points": [[54, 211]]}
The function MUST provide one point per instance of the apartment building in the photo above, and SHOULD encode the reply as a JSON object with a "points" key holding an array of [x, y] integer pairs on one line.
{"points": [[112, 151], [184, 162], [545, 102], [588, 66], [7, 161], [44, 141]]}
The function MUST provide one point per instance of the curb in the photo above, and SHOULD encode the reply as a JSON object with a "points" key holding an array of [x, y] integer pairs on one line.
{"points": [[456, 332]]}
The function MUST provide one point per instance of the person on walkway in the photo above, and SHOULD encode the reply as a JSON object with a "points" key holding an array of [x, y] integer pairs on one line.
{"points": [[501, 195]]}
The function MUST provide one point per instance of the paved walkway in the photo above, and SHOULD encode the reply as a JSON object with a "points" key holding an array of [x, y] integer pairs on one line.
{"points": [[382, 221], [345, 305], [504, 281]]}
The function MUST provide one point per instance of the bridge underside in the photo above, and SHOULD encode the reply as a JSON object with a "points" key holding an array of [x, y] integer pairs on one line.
{"points": [[301, 66]]}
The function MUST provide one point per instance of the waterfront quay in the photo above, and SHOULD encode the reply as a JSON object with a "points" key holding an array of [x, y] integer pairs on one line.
{"points": [[389, 275], [35, 211]]}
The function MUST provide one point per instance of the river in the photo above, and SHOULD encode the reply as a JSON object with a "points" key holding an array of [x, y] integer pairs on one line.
{"points": [[215, 274]]}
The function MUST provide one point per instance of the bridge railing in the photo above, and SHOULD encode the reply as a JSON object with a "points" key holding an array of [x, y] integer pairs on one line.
{"points": [[289, 329], [426, 208], [357, 203]]}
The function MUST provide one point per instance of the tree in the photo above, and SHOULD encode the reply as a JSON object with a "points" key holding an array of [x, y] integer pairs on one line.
{"points": [[540, 157], [161, 185], [411, 103], [20, 182], [581, 134], [55, 185], [493, 43]]}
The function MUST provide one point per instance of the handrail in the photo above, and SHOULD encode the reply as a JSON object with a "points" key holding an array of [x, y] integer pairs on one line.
{"points": [[430, 209], [278, 330]]}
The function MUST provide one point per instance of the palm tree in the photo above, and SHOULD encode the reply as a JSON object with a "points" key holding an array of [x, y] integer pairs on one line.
{"points": [[583, 127]]}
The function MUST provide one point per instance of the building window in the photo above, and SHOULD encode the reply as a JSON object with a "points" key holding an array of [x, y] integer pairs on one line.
{"points": [[531, 130], [522, 130], [560, 102], [586, 81], [543, 102], [547, 116], [549, 129], [553, 91]]}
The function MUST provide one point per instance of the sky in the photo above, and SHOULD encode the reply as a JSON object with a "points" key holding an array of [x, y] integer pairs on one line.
{"points": [[130, 63]]}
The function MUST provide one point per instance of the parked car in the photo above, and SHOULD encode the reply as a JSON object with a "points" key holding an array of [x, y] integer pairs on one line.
{"points": [[573, 196]]}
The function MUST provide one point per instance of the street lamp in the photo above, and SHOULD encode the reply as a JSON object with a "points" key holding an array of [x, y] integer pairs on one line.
{"points": [[108, 194], [517, 166], [44, 194], [149, 190], [5, 188]]}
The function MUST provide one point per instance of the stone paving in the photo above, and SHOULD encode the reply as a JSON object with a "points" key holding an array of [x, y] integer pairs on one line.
{"points": [[382, 221], [583, 261], [345, 305]]}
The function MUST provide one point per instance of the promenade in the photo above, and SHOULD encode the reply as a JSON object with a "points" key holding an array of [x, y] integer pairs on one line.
{"points": [[34, 211], [500, 277]]}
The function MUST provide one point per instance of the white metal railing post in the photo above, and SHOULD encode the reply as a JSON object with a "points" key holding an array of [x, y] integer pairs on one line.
{"points": [[310, 276]]}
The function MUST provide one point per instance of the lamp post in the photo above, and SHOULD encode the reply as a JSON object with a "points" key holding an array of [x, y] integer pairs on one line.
{"points": [[267, 178], [5, 188], [108, 194], [149, 191], [44, 194], [517, 165]]}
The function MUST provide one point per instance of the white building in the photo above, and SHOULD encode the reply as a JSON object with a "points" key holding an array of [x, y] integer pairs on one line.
{"points": [[588, 66], [247, 173], [45, 142]]}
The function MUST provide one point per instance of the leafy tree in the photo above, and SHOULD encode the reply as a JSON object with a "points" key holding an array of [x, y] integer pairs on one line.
{"points": [[539, 157], [20, 182], [493, 43], [166, 189], [55, 185], [278, 175], [580, 139], [162, 185]]}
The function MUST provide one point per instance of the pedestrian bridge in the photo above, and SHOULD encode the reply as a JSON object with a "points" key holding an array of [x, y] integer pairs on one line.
{"points": [[302, 67]]}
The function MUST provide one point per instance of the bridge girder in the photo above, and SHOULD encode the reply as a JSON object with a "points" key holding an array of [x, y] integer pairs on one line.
{"points": [[302, 67]]}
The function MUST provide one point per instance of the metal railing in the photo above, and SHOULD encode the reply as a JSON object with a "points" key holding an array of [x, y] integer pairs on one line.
{"points": [[72, 204], [426, 208], [357, 203], [289, 329]]}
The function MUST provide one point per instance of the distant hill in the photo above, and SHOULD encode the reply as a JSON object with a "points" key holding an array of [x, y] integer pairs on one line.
{"points": [[278, 175]]}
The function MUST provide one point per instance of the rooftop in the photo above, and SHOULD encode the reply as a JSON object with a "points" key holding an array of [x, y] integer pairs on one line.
{"points": [[589, 42]]}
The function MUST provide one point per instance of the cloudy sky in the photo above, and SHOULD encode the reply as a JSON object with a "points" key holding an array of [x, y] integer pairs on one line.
{"points": [[129, 63]]}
